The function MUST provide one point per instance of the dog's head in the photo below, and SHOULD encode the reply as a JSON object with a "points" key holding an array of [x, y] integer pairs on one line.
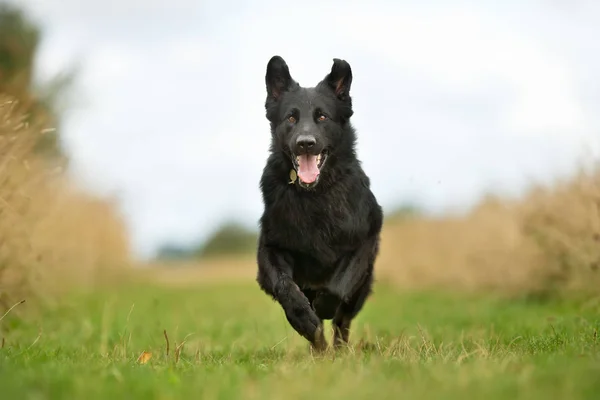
{"points": [[309, 124]]}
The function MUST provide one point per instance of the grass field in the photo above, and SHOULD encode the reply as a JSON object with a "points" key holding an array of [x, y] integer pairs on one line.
{"points": [[237, 344]]}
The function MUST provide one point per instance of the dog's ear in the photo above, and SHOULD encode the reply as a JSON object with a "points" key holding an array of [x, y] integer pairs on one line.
{"points": [[340, 78], [278, 78]]}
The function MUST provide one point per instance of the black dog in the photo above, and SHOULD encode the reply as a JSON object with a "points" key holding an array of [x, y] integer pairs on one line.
{"points": [[321, 223]]}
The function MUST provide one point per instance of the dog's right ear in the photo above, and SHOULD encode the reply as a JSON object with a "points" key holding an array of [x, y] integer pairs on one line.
{"points": [[278, 78]]}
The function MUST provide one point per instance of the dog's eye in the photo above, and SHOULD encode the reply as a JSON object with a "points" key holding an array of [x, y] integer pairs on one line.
{"points": [[292, 119], [321, 118]]}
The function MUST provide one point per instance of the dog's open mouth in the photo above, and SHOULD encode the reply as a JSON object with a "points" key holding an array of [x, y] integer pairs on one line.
{"points": [[309, 167]]}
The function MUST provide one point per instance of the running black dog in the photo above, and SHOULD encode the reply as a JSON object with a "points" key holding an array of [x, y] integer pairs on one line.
{"points": [[321, 223]]}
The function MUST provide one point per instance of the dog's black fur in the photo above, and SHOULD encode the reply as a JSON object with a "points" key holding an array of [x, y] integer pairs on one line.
{"points": [[318, 241]]}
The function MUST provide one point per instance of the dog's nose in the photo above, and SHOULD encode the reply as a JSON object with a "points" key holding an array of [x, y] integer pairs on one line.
{"points": [[305, 143]]}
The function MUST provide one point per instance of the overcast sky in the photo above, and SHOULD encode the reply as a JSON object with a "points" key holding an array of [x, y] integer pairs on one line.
{"points": [[452, 99]]}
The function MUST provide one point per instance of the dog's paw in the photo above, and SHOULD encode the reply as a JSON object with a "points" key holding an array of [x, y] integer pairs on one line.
{"points": [[306, 322], [319, 345]]}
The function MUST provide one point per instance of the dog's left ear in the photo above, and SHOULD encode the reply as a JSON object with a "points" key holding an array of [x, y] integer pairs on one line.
{"points": [[340, 78]]}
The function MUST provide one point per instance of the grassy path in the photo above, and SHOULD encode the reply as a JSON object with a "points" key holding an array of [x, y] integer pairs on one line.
{"points": [[239, 345]]}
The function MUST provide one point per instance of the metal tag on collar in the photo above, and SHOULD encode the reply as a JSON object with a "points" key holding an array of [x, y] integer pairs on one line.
{"points": [[293, 177]]}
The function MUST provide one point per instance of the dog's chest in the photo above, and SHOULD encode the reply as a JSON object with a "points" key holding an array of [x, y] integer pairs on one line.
{"points": [[326, 226]]}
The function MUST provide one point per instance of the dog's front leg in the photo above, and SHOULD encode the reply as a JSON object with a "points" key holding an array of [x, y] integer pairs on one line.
{"points": [[352, 283], [275, 278]]}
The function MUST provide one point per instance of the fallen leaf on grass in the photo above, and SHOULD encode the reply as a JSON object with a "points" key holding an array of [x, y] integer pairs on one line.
{"points": [[144, 357]]}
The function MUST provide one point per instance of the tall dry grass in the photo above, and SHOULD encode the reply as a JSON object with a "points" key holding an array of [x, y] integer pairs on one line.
{"points": [[52, 235], [546, 242]]}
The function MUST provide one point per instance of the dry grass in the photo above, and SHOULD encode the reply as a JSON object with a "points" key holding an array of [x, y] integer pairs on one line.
{"points": [[52, 236], [547, 241]]}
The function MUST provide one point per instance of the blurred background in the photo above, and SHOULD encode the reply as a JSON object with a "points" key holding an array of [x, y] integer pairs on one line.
{"points": [[135, 136]]}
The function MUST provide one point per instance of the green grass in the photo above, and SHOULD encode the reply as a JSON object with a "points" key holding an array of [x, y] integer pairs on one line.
{"points": [[239, 345]]}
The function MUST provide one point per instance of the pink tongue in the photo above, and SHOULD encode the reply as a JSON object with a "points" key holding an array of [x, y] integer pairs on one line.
{"points": [[307, 168]]}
